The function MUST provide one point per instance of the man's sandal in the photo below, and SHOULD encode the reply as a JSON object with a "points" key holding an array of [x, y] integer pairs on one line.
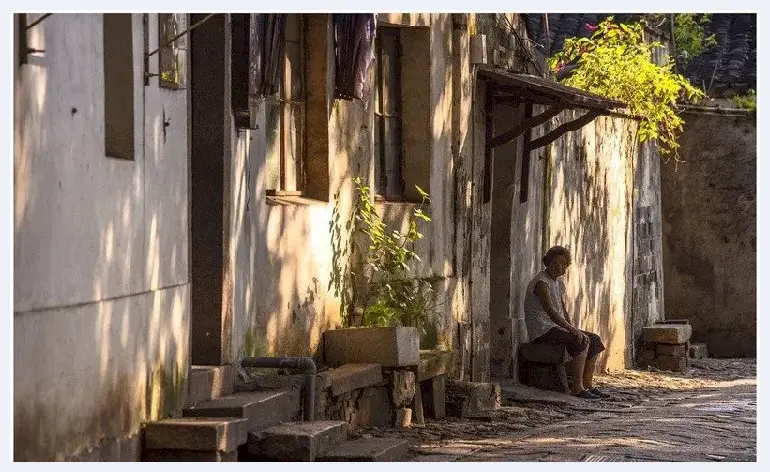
{"points": [[586, 394], [599, 393]]}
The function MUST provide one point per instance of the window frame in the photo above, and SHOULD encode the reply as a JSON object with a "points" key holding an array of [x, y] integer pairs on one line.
{"points": [[380, 116], [284, 99]]}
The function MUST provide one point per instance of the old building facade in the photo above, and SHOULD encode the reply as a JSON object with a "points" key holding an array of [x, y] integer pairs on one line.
{"points": [[156, 228]]}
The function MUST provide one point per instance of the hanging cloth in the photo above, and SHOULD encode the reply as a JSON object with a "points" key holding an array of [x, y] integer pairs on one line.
{"points": [[354, 53], [266, 47]]}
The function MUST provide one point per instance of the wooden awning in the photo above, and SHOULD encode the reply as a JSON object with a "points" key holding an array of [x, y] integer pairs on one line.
{"points": [[508, 88]]}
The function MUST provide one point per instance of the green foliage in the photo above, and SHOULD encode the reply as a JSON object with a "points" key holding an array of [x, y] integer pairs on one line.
{"points": [[392, 297], [748, 101], [618, 64], [689, 37], [342, 276]]}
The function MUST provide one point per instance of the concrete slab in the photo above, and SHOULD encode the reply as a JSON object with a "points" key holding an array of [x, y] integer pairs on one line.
{"points": [[369, 450], [698, 351], [270, 381], [389, 347], [195, 434], [671, 363], [434, 397], [435, 363], [479, 396], [349, 377], [209, 382], [297, 441], [262, 409], [667, 333], [524, 394], [176, 455], [679, 350]]}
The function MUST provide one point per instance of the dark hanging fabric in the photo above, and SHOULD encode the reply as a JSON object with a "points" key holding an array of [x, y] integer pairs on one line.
{"points": [[239, 70], [353, 47], [266, 48]]}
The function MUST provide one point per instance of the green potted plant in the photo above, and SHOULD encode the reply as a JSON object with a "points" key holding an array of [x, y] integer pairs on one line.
{"points": [[385, 307]]}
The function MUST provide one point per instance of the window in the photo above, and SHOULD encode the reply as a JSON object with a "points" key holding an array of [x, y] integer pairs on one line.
{"points": [[118, 85], [285, 120], [172, 55], [387, 131]]}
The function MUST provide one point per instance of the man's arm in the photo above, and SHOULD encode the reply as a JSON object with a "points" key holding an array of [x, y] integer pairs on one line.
{"points": [[566, 313], [541, 289]]}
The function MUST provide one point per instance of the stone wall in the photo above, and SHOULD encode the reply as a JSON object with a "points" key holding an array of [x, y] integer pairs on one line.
{"points": [[709, 231], [646, 274]]}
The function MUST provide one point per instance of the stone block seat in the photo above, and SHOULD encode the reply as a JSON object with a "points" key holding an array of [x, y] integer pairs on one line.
{"points": [[542, 366], [432, 373]]}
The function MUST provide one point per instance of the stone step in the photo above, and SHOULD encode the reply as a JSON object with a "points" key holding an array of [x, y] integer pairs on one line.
{"points": [[179, 455], [435, 363], [464, 397], [260, 409], [209, 382], [667, 333], [369, 450], [195, 434], [296, 441], [349, 377]]}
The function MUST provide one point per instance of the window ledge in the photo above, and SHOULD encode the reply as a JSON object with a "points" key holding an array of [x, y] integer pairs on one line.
{"points": [[293, 200]]}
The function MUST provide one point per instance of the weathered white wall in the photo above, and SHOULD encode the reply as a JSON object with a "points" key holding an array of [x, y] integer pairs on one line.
{"points": [[590, 209], [281, 245], [101, 296]]}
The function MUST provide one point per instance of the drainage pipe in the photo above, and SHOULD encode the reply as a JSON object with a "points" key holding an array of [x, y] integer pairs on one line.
{"points": [[300, 365]]}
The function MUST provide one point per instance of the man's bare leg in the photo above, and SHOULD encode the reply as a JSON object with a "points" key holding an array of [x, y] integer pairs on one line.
{"points": [[577, 366], [588, 372]]}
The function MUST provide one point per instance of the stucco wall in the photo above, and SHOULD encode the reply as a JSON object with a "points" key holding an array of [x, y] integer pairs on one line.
{"points": [[582, 189], [281, 245], [516, 240], [709, 228], [590, 195], [101, 295]]}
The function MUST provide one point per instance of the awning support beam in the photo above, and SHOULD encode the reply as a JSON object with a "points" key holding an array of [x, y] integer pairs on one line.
{"points": [[573, 125], [527, 125]]}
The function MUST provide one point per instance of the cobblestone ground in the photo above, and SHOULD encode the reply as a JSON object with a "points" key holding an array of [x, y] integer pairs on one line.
{"points": [[706, 414]]}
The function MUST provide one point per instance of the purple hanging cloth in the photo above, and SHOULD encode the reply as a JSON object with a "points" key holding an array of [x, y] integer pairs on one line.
{"points": [[354, 35]]}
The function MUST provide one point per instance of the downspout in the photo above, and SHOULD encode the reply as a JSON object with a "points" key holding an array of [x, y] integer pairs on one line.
{"points": [[300, 365]]}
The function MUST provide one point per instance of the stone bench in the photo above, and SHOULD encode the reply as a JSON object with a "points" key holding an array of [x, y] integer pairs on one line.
{"points": [[542, 366], [430, 394]]}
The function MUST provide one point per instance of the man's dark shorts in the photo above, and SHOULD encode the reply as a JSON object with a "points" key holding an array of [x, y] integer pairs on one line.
{"points": [[574, 345]]}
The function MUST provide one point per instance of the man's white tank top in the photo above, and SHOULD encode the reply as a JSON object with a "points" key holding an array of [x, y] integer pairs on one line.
{"points": [[535, 317]]}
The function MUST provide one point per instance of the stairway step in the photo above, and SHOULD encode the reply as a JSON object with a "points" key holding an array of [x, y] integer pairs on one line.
{"points": [[369, 450], [296, 441], [260, 409], [195, 434], [178, 455], [209, 382]]}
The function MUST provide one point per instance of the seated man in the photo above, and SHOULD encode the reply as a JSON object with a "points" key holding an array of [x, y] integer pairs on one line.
{"points": [[548, 322]]}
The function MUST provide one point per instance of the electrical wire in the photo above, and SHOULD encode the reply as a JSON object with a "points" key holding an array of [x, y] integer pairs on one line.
{"points": [[524, 48]]}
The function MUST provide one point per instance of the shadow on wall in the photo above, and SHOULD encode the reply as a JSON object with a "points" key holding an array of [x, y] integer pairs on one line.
{"points": [[590, 210], [282, 247], [101, 313]]}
